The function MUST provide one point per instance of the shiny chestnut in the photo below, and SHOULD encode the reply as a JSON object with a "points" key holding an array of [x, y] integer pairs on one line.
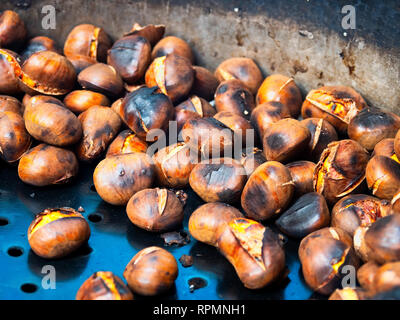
{"points": [[204, 83], [172, 45], [10, 104], [9, 81], [126, 142], [302, 173], [153, 33], [385, 148], [38, 44], [12, 30], [80, 100]]}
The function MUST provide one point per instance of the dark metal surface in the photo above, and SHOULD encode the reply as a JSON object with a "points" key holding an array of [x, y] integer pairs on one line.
{"points": [[113, 243]]}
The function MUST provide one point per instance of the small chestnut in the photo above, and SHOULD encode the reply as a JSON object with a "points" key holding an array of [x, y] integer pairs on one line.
{"points": [[104, 285], [241, 127], [302, 173], [204, 83], [80, 100], [385, 148], [153, 33], [55, 233], [172, 45], [37, 44], [251, 159], [118, 178], [10, 104], [151, 271], [155, 210], [12, 30], [126, 142]]}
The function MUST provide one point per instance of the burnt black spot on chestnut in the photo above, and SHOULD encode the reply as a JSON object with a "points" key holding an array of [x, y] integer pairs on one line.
{"points": [[276, 141]]}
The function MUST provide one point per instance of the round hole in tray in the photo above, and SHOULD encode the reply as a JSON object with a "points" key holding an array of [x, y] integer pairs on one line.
{"points": [[15, 251], [3, 222], [95, 217], [29, 287]]}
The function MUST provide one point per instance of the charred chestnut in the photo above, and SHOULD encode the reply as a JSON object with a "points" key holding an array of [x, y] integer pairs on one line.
{"points": [[283, 89], [336, 104], [145, 109], [172, 74], [9, 82], [104, 285], [55, 233], [232, 95], [12, 30], [155, 210], [386, 148], [153, 33], [118, 178], [130, 56], [80, 100], [285, 140], [10, 104], [126, 142], [302, 173], [14, 139], [38, 44], [45, 165], [308, 214], [383, 177], [323, 254], [239, 125], [340, 170], [243, 69], [204, 83], [172, 45], [100, 125], [220, 180], [268, 191], [205, 221], [52, 124], [151, 271]]}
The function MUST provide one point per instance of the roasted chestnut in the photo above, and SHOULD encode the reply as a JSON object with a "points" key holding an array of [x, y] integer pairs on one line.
{"points": [[254, 251], [323, 254], [371, 125], [308, 214], [55, 233], [89, 41], [204, 84], [100, 125], [14, 139], [302, 173], [386, 148], [104, 285], [268, 191], [174, 164], [10, 104], [101, 78], [155, 210], [172, 45], [251, 159], [243, 69], [285, 140], [205, 221], [153, 33], [358, 210], [45, 165], [130, 56], [118, 178], [80, 62], [283, 89], [383, 177], [192, 108], [52, 124], [387, 277], [172, 74], [265, 114], [322, 134], [366, 276], [37, 44], [348, 293], [126, 142], [12, 30], [80, 100], [239, 125], [31, 101], [145, 109], [220, 180], [151, 271], [232, 95], [336, 104], [340, 170], [9, 82]]}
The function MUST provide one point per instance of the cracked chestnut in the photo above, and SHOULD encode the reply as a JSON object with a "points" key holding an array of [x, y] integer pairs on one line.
{"points": [[126, 142], [9, 82], [172, 45], [12, 30], [302, 173], [80, 100]]}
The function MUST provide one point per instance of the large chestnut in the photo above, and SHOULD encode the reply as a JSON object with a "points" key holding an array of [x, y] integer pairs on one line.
{"points": [[383, 177], [126, 142], [130, 56], [37, 44], [302, 173], [80, 100], [172, 74], [45, 165], [254, 251], [386, 148], [323, 254], [10, 104], [243, 69], [340, 170], [268, 191], [174, 164], [336, 104], [155, 210], [9, 82], [205, 221], [101, 78], [251, 159], [153, 33], [172, 45], [204, 84], [283, 89], [52, 124], [285, 140], [12, 30], [55, 233], [14, 139], [145, 109], [232, 95], [100, 125], [118, 178], [241, 127], [371, 125], [219, 180], [357, 210], [151, 271], [104, 285]]}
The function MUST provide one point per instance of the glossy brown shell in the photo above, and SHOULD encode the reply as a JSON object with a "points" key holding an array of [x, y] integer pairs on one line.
{"points": [[10, 104], [302, 173], [9, 83], [242, 128], [126, 142], [204, 84], [385, 148], [80, 100], [38, 44], [12, 30], [172, 45]]}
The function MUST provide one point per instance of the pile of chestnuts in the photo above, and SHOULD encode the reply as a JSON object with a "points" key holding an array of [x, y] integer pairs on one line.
{"points": [[323, 170]]}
